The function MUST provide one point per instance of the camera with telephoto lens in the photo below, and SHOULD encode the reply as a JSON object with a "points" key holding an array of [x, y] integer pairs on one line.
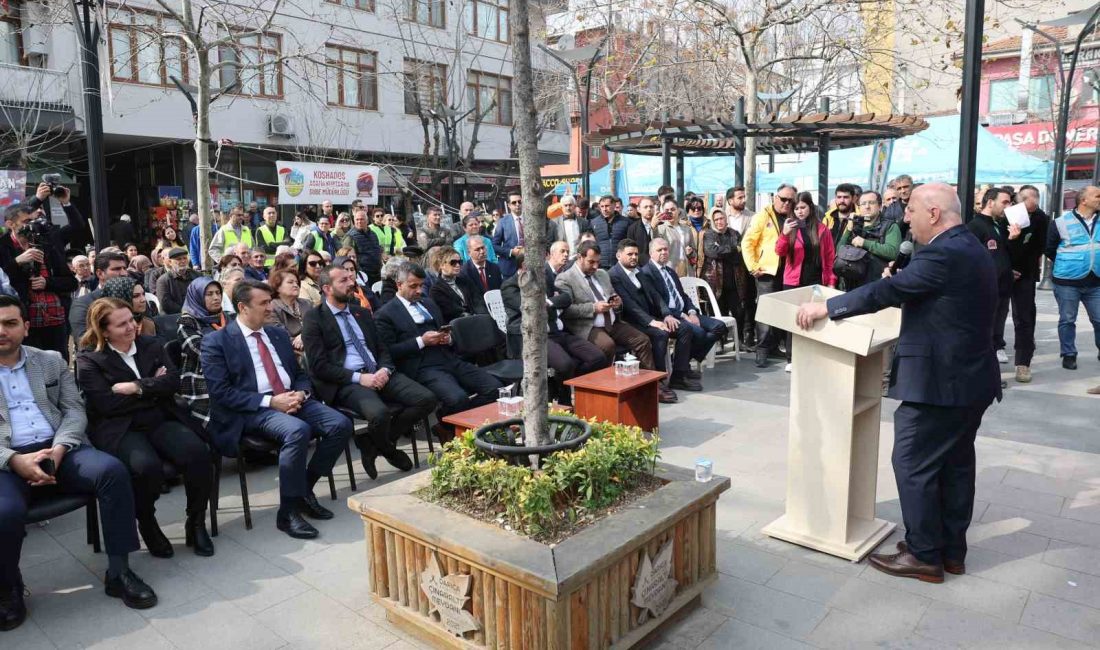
{"points": [[857, 226], [37, 232], [54, 181]]}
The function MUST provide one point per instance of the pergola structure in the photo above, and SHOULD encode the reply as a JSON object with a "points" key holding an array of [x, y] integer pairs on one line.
{"points": [[792, 133]]}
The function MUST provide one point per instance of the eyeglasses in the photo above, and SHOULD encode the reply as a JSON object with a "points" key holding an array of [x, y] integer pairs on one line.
{"points": [[785, 199], [693, 208], [515, 203], [315, 263], [455, 262]]}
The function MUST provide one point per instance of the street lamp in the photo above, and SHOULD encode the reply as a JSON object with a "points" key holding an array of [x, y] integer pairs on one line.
{"points": [[1093, 78], [571, 58], [89, 32]]}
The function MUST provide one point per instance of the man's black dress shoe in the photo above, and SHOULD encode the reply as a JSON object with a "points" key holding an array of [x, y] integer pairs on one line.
{"points": [[368, 465], [1069, 362], [399, 459], [313, 508], [693, 374], [683, 382], [130, 588], [155, 541], [13, 610], [294, 525], [196, 536]]}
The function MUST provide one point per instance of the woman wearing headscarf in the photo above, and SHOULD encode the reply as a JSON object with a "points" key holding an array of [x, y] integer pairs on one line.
{"points": [[131, 292], [202, 314], [721, 251]]}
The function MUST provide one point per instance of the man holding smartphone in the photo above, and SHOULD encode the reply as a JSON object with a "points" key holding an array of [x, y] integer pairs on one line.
{"points": [[44, 450]]}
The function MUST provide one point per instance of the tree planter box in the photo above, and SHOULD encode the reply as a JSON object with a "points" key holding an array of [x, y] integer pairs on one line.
{"points": [[581, 593]]}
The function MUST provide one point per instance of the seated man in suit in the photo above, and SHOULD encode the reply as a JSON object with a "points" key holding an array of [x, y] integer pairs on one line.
{"points": [[410, 329], [256, 386], [569, 355], [478, 269], [705, 331], [107, 265], [643, 308], [594, 313], [351, 368], [43, 425]]}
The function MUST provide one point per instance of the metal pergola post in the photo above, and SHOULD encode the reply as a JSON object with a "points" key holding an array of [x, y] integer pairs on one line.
{"points": [[971, 89], [739, 156], [680, 177], [666, 161], [823, 144]]}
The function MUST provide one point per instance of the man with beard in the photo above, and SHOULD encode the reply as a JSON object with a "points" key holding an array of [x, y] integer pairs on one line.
{"points": [[172, 286]]}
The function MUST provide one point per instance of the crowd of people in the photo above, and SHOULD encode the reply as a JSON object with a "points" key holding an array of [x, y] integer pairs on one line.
{"points": [[297, 331]]}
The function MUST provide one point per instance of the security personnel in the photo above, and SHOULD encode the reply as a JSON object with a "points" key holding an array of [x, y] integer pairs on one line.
{"points": [[234, 232], [271, 235]]}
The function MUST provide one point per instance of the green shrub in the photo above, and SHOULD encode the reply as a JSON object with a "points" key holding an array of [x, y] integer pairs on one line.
{"points": [[571, 484]]}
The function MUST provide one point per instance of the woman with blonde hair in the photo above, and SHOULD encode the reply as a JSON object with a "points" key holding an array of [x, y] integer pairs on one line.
{"points": [[129, 386]]}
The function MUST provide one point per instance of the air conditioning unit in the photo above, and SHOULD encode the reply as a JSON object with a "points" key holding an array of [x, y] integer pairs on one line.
{"points": [[280, 126]]}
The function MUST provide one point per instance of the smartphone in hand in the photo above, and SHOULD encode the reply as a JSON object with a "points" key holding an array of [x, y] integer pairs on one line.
{"points": [[47, 466]]}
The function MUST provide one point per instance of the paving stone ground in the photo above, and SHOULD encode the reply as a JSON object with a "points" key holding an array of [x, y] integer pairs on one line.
{"points": [[1033, 573]]}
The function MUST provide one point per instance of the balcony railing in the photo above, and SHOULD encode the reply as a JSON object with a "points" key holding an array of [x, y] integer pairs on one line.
{"points": [[38, 86]]}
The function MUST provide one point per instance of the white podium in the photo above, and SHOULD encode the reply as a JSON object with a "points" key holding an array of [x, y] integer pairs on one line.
{"points": [[836, 396]]}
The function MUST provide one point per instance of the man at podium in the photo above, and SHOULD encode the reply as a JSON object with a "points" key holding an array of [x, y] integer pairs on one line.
{"points": [[945, 373]]}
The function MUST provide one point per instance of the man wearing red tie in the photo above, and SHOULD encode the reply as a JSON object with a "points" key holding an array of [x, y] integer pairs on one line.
{"points": [[256, 386], [478, 268]]}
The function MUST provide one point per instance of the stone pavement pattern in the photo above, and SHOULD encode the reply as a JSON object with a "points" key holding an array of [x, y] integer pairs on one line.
{"points": [[1033, 576]]}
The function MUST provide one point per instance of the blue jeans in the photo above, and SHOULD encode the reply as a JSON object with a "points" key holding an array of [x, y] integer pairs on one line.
{"points": [[293, 432], [1069, 298]]}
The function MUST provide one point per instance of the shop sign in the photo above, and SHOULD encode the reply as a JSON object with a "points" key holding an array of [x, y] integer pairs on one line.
{"points": [[13, 186], [316, 182], [1039, 137]]}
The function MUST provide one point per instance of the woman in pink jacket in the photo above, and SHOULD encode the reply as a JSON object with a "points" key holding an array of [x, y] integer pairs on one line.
{"points": [[806, 248]]}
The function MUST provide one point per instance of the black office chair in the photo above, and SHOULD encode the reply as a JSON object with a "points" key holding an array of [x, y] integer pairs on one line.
{"points": [[478, 334], [54, 505]]}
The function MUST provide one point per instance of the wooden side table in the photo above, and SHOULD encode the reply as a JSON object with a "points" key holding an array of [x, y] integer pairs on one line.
{"points": [[625, 400]]}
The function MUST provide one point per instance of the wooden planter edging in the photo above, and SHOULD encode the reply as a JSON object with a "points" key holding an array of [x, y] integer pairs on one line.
{"points": [[511, 592]]}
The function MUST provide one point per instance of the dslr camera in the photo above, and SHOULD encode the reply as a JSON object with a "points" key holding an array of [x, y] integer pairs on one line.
{"points": [[857, 226], [54, 181]]}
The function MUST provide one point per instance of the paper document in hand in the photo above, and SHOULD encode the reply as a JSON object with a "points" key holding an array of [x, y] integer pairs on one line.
{"points": [[1017, 214]]}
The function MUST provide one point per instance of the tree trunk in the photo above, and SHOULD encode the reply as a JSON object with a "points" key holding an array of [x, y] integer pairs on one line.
{"points": [[752, 86], [533, 280], [202, 161]]}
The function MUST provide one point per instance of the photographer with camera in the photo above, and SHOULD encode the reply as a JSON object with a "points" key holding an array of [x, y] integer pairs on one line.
{"points": [[76, 234], [35, 261], [867, 244]]}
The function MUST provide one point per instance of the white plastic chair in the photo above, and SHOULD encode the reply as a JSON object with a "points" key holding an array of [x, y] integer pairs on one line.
{"points": [[695, 286], [377, 288], [152, 297], [496, 309]]}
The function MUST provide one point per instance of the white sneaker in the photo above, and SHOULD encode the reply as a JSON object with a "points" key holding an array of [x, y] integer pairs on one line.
{"points": [[1002, 358], [787, 368]]}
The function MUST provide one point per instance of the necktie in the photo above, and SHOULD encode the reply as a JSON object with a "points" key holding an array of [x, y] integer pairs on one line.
{"points": [[598, 295], [360, 347], [673, 294], [423, 312], [484, 279], [277, 387], [519, 229]]}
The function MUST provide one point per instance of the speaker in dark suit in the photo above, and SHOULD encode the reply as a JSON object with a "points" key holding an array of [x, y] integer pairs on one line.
{"points": [[409, 328], [352, 369], [256, 385], [945, 373]]}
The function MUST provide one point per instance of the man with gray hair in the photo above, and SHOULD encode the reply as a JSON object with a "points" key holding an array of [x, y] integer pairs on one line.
{"points": [[761, 260], [945, 375], [572, 225], [895, 210]]}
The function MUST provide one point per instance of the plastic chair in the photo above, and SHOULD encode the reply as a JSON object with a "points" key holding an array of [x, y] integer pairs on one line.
{"points": [[699, 285], [495, 304], [52, 506], [376, 288], [474, 335], [152, 297]]}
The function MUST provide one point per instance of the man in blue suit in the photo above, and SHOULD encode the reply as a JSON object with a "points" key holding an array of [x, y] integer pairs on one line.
{"points": [[945, 373], [256, 386], [705, 331], [508, 236]]}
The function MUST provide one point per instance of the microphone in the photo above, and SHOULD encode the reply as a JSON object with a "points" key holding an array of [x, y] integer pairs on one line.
{"points": [[905, 253]]}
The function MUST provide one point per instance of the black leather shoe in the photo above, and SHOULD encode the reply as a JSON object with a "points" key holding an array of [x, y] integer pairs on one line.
{"points": [[368, 465], [313, 509], [294, 525], [194, 531], [1069, 362], [693, 374], [683, 382], [13, 610], [155, 541], [130, 588], [399, 459]]}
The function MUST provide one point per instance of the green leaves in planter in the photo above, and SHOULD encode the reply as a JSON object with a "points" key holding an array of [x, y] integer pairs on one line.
{"points": [[571, 485]]}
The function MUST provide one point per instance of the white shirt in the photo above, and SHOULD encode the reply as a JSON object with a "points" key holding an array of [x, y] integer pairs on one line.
{"points": [[739, 221], [128, 358], [633, 275], [572, 233], [262, 384], [416, 315], [598, 320]]}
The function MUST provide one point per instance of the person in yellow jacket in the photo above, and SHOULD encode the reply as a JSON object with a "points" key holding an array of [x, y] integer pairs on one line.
{"points": [[758, 250], [270, 235], [234, 232]]}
